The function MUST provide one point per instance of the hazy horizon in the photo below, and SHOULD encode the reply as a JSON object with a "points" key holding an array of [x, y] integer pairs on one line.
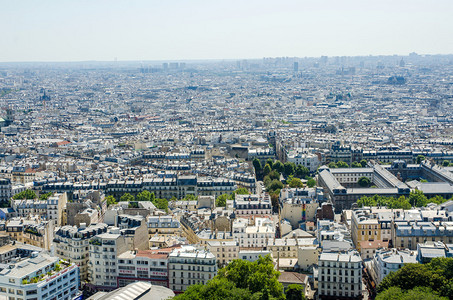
{"points": [[79, 31]]}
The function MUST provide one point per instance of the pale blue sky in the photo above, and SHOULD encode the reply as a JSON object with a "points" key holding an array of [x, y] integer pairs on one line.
{"points": [[75, 30]]}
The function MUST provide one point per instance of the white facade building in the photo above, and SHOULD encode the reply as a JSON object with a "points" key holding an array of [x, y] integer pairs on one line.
{"points": [[246, 205], [254, 235], [189, 265], [340, 275], [104, 249], [309, 160], [253, 255], [39, 277], [387, 261]]}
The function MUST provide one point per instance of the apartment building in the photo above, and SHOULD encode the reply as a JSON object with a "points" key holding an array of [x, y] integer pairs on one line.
{"points": [[176, 186], [72, 243], [189, 265], [299, 205], [386, 261], [39, 277], [364, 227], [162, 225], [253, 255], [31, 230], [255, 234], [301, 157], [246, 205], [5, 190], [131, 234], [340, 275], [407, 234], [104, 250], [143, 265], [224, 251], [50, 209]]}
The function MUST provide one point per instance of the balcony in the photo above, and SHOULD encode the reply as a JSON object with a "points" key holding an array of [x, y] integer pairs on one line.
{"points": [[60, 268]]}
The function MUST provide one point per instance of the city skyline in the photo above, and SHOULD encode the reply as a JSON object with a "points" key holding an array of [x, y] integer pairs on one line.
{"points": [[105, 31]]}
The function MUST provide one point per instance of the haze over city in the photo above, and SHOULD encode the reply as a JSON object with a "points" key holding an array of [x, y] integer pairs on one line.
{"points": [[171, 30]]}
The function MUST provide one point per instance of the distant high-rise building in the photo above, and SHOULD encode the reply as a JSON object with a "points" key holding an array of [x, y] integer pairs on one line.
{"points": [[296, 66]]}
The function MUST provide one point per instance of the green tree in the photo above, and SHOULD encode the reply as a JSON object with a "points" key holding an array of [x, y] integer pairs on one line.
{"points": [[241, 191], [396, 293], [143, 196], [190, 197], [275, 185], [342, 164], [332, 165], [417, 199], [258, 167], [270, 162], [27, 194], [45, 196], [275, 195], [267, 169], [295, 292], [364, 181], [363, 162], [435, 277], [217, 288], [274, 175], [295, 183], [267, 180], [257, 277], [400, 203], [311, 182], [301, 171], [127, 198], [446, 163], [289, 168], [366, 201], [437, 199], [420, 158], [221, 200], [356, 165], [110, 200], [278, 166], [161, 204]]}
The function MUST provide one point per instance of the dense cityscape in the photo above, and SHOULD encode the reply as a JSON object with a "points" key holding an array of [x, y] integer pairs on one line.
{"points": [[274, 178]]}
